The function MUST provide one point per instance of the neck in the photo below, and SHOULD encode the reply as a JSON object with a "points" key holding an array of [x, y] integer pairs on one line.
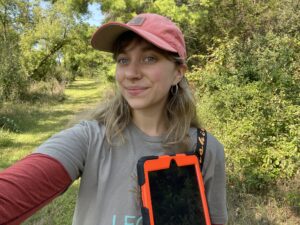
{"points": [[152, 123]]}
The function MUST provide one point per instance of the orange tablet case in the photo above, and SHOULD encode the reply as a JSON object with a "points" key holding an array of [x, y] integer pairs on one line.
{"points": [[149, 164]]}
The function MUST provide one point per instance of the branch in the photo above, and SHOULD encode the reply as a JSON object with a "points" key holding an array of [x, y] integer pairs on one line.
{"points": [[55, 48]]}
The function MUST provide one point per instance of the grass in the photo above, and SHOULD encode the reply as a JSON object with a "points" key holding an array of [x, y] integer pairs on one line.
{"points": [[42, 119], [39, 121], [272, 208]]}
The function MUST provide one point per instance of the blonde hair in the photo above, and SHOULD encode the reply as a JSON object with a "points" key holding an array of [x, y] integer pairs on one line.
{"points": [[180, 109]]}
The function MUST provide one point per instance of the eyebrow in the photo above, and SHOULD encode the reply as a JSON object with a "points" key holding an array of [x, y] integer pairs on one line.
{"points": [[149, 48]]}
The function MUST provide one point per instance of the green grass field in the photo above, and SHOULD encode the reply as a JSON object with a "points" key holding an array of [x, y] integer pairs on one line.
{"points": [[42, 119]]}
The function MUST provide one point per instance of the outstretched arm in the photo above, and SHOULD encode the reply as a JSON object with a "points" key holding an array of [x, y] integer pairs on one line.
{"points": [[29, 185]]}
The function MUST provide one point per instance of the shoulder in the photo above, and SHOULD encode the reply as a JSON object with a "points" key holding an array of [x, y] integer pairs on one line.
{"points": [[214, 157], [90, 128], [89, 125], [214, 154], [72, 146], [80, 134], [214, 147]]}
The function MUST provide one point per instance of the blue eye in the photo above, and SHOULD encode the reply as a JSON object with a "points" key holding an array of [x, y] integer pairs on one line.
{"points": [[122, 61], [149, 60]]}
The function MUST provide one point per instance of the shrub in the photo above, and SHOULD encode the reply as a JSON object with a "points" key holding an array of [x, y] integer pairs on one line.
{"points": [[9, 124], [249, 96], [50, 90]]}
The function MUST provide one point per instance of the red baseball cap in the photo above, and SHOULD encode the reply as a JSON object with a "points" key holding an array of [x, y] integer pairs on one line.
{"points": [[156, 29]]}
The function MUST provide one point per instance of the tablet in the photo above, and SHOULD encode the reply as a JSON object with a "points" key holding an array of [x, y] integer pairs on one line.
{"points": [[172, 190]]}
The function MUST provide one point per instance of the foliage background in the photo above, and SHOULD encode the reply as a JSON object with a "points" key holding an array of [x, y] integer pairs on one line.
{"points": [[243, 66]]}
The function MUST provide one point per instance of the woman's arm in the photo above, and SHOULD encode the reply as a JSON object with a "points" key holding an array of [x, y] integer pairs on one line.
{"points": [[29, 185]]}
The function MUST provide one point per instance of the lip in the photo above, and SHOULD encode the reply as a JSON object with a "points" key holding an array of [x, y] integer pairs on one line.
{"points": [[136, 90]]}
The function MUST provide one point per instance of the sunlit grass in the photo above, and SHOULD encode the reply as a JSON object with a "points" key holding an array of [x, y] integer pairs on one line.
{"points": [[38, 122]]}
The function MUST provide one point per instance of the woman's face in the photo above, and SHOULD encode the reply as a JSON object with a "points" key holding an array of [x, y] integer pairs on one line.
{"points": [[145, 76]]}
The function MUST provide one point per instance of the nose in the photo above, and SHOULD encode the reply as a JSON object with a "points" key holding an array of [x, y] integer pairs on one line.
{"points": [[132, 70]]}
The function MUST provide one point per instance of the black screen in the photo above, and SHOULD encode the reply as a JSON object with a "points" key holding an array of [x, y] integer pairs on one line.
{"points": [[175, 196]]}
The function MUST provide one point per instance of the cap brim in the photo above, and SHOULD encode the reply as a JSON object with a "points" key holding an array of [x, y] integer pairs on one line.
{"points": [[105, 36]]}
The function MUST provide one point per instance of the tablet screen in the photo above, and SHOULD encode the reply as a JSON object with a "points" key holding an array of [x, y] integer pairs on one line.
{"points": [[175, 196]]}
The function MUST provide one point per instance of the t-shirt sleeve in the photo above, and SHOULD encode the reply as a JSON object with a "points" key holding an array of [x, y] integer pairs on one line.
{"points": [[215, 180], [70, 146]]}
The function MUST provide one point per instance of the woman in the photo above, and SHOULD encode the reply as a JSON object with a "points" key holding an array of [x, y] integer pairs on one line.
{"points": [[152, 113]]}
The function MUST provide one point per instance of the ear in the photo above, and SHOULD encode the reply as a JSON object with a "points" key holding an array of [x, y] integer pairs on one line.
{"points": [[180, 71]]}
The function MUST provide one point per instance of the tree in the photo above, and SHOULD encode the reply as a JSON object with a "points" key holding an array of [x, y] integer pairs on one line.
{"points": [[13, 16]]}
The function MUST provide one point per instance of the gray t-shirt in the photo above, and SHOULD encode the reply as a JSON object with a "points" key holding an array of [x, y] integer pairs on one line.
{"points": [[109, 193]]}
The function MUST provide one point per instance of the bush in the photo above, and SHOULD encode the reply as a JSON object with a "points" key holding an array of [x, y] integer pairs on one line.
{"points": [[42, 91], [13, 81], [249, 94], [9, 124]]}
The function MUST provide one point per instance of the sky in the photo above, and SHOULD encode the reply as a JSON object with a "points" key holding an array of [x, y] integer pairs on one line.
{"points": [[95, 18], [96, 15]]}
